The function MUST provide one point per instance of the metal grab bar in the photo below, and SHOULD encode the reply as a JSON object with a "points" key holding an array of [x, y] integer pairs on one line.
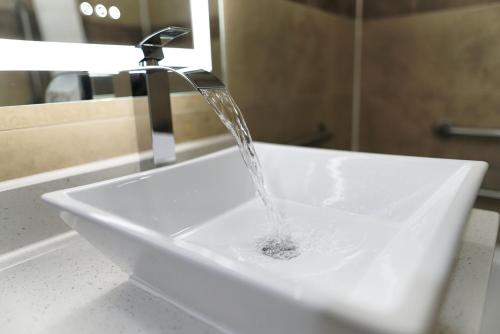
{"points": [[447, 129], [489, 193]]}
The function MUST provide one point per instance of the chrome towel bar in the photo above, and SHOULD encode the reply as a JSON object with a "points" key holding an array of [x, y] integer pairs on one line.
{"points": [[320, 136], [447, 129], [489, 193]]}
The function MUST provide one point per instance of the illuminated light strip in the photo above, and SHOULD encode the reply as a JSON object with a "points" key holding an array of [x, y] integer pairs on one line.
{"points": [[20, 55]]}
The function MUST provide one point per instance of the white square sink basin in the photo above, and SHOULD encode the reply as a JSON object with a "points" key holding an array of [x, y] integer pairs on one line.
{"points": [[377, 237]]}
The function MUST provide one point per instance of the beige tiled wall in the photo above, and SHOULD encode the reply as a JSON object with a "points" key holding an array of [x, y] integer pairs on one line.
{"points": [[386, 8], [39, 138], [12, 89], [425, 67], [289, 67]]}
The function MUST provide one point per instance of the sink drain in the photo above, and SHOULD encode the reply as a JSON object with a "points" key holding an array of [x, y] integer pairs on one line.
{"points": [[280, 248]]}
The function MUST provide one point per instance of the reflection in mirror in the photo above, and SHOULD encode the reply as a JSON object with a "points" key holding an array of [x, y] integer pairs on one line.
{"points": [[22, 87], [34, 87], [102, 22]]}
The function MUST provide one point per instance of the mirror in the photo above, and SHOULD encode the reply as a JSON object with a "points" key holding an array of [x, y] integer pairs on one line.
{"points": [[67, 50], [123, 22]]}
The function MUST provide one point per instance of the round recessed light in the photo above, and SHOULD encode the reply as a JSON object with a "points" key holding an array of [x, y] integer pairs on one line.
{"points": [[114, 12], [86, 8], [101, 10]]}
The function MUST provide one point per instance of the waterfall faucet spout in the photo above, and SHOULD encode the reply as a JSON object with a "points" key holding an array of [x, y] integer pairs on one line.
{"points": [[152, 45], [158, 89]]}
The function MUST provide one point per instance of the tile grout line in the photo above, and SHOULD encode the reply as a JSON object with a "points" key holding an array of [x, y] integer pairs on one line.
{"points": [[356, 82]]}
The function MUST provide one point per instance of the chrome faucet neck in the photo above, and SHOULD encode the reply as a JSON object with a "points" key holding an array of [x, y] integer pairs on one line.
{"points": [[158, 91]]}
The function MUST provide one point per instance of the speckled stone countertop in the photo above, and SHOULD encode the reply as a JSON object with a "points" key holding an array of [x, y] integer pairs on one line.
{"points": [[65, 285], [74, 289]]}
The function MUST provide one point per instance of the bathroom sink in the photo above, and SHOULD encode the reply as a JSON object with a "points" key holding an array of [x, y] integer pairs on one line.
{"points": [[376, 236]]}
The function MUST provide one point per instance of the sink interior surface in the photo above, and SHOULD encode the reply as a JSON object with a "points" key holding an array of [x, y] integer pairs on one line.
{"points": [[376, 233], [336, 248]]}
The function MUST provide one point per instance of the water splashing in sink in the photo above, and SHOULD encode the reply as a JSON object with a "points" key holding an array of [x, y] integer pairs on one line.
{"points": [[230, 115]]}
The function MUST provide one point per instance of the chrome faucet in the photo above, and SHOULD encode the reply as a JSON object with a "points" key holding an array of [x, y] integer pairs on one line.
{"points": [[158, 91]]}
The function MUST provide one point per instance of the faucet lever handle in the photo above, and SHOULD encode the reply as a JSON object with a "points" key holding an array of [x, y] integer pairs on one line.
{"points": [[152, 45]]}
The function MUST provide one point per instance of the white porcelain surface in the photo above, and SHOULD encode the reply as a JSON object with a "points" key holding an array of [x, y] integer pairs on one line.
{"points": [[377, 235]]}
